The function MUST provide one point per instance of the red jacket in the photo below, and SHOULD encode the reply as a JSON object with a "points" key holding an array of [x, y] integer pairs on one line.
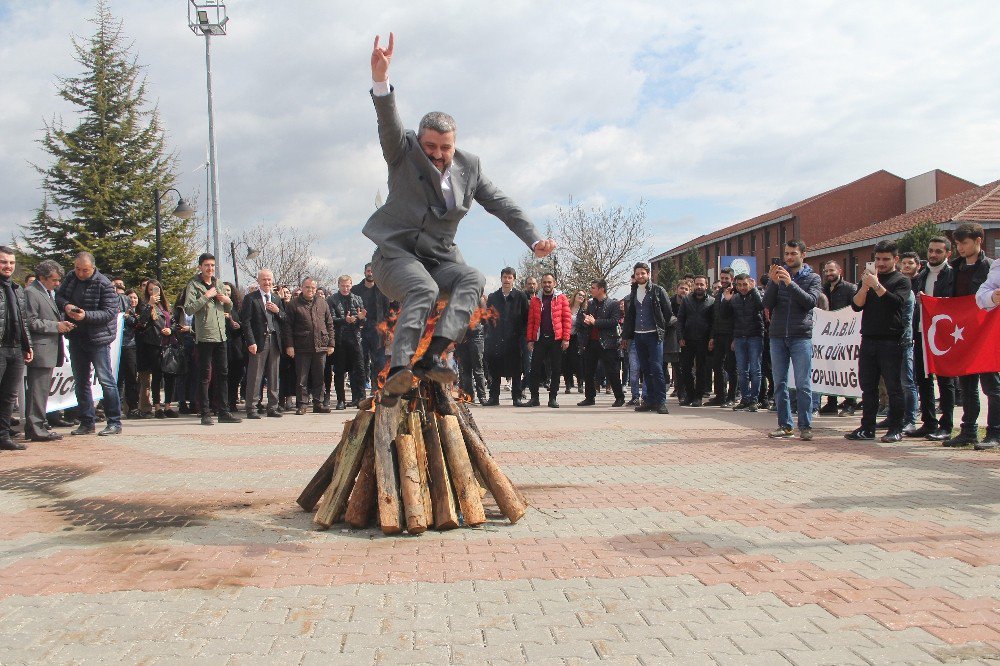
{"points": [[562, 322]]}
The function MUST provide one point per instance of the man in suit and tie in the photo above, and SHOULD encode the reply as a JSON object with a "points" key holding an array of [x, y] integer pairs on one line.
{"points": [[47, 326], [431, 187], [261, 318]]}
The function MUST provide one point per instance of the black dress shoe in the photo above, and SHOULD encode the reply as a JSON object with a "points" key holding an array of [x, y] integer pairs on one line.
{"points": [[340, 405], [620, 402], [10, 445], [399, 381], [206, 419], [892, 436], [111, 430], [586, 403], [434, 368], [553, 404], [940, 435], [644, 407], [662, 409], [83, 430], [860, 435], [714, 402], [274, 413], [59, 423], [229, 417], [253, 415], [47, 437], [962, 439], [829, 408], [695, 403], [492, 402], [913, 431]]}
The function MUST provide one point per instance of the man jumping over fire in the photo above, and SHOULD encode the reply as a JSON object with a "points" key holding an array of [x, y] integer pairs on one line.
{"points": [[431, 186]]}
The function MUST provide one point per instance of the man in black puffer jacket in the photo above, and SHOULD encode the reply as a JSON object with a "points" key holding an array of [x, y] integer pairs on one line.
{"points": [[89, 300], [747, 307], [694, 330]]}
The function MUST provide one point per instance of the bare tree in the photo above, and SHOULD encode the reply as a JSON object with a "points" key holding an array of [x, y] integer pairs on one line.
{"points": [[599, 243], [286, 251]]}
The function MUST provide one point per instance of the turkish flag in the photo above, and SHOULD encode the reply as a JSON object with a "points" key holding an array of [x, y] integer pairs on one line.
{"points": [[959, 337]]}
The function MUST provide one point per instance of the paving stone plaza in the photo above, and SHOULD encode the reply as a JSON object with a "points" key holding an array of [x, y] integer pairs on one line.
{"points": [[689, 538]]}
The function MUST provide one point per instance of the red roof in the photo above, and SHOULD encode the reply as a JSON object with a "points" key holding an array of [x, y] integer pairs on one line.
{"points": [[754, 221], [984, 200]]}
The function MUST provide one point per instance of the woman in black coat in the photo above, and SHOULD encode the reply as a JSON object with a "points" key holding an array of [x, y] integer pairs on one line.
{"points": [[234, 346], [154, 332]]}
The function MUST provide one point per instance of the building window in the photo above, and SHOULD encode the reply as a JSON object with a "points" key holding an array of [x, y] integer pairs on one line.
{"points": [[739, 245], [753, 243], [996, 248], [781, 237], [729, 246], [767, 238]]}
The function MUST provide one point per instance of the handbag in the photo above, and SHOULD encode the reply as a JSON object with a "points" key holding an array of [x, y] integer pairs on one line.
{"points": [[173, 361]]}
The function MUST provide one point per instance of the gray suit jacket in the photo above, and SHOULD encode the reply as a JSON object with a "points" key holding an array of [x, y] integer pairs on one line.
{"points": [[415, 220], [43, 317]]}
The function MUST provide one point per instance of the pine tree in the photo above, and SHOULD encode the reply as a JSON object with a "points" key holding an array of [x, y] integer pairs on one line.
{"points": [[692, 263], [105, 169], [918, 238]]}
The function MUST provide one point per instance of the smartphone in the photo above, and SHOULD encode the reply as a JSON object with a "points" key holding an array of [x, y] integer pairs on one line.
{"points": [[76, 309], [870, 267], [775, 261]]}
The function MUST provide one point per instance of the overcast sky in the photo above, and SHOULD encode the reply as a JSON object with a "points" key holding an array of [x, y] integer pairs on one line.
{"points": [[711, 112]]}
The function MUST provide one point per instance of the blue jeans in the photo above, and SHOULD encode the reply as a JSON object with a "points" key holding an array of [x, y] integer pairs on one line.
{"points": [[748, 354], [796, 352], [910, 402], [633, 371], [649, 358], [82, 357]]}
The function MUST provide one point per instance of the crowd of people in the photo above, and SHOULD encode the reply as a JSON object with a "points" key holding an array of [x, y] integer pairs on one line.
{"points": [[217, 351]]}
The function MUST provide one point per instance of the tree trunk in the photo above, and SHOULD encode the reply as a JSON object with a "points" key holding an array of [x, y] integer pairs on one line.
{"points": [[462, 474], [362, 499], [390, 510], [312, 493], [359, 437], [443, 500], [421, 450], [409, 484], [503, 491]]}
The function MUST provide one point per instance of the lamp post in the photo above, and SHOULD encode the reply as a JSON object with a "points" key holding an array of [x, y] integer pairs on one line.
{"points": [[251, 254], [208, 18], [183, 210]]}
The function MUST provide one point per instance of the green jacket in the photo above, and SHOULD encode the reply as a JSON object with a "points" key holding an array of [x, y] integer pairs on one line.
{"points": [[209, 314]]}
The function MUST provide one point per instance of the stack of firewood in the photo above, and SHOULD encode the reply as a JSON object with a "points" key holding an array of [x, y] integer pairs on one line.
{"points": [[420, 463]]}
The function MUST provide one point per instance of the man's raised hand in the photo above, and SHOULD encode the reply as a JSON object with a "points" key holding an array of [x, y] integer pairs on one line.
{"points": [[380, 60], [544, 248]]}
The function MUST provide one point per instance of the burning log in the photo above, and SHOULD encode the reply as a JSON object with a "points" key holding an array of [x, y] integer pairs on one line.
{"points": [[414, 465]]}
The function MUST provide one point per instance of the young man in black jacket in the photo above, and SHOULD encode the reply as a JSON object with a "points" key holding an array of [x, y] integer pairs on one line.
{"points": [[646, 320], [721, 345], [935, 279], [747, 308], [600, 340], [881, 299], [839, 294], [349, 314], [694, 330], [970, 271]]}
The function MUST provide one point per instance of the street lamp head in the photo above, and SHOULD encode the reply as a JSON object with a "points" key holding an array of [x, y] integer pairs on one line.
{"points": [[184, 210], [252, 253]]}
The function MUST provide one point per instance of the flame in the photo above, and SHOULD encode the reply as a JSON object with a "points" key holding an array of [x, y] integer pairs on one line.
{"points": [[425, 339], [492, 315]]}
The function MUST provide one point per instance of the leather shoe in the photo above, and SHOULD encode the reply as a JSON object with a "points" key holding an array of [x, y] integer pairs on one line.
{"points": [[892, 436], [47, 437], [299, 411], [618, 403], [396, 384], [940, 435], [662, 409], [528, 403], [11, 445], [111, 430], [586, 403], [432, 367], [913, 431], [83, 430], [253, 415], [318, 408], [990, 442], [553, 404], [492, 402], [695, 403], [860, 435], [206, 419], [962, 439], [644, 407], [228, 417], [882, 425], [59, 423], [274, 413]]}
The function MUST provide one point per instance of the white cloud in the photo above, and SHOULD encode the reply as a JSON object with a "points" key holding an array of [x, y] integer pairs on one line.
{"points": [[711, 111]]}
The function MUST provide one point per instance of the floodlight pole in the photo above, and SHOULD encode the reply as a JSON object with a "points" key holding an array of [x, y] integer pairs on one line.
{"points": [[214, 164]]}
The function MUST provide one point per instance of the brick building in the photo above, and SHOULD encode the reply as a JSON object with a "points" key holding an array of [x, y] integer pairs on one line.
{"points": [[864, 203], [853, 249]]}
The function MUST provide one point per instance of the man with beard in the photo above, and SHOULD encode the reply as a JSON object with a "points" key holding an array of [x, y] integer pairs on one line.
{"points": [[838, 293], [431, 187], [721, 345], [504, 335], [349, 314], [934, 280], [881, 299], [792, 292], [600, 340], [646, 321], [671, 344], [549, 328], [909, 265], [530, 288], [377, 307], [694, 330]]}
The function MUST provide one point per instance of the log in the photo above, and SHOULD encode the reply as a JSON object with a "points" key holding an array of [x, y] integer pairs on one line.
{"points": [[362, 500], [507, 498], [314, 490], [443, 499], [366, 403], [409, 484], [421, 449], [466, 414], [462, 475], [334, 501], [390, 509]]}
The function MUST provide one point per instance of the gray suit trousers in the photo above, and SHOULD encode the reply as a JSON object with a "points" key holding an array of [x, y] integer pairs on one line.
{"points": [[39, 383], [265, 361], [416, 287]]}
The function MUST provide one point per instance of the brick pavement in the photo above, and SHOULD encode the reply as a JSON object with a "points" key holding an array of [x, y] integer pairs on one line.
{"points": [[688, 538]]}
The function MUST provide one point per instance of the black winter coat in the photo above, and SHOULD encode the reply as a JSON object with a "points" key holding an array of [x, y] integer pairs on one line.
{"points": [[662, 312], [606, 317], [97, 297], [694, 319], [748, 314], [504, 336], [791, 305], [22, 313], [841, 295]]}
